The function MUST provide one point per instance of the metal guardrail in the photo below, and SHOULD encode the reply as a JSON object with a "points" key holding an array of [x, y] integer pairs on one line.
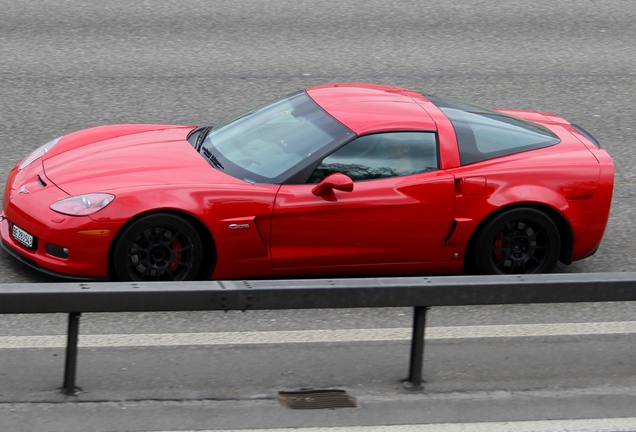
{"points": [[421, 293]]}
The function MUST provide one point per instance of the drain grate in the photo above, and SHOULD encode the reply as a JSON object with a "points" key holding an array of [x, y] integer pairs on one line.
{"points": [[317, 399]]}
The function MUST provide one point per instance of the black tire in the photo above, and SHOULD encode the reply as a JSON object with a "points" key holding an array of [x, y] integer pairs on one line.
{"points": [[518, 241], [158, 247]]}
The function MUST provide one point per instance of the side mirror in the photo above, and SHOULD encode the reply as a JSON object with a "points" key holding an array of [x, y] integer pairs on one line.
{"points": [[337, 181]]}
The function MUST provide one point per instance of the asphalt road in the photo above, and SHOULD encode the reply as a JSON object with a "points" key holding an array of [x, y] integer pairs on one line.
{"points": [[71, 65]]}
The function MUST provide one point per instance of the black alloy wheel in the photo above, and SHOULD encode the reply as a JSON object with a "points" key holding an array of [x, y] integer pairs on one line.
{"points": [[518, 241], [158, 247]]}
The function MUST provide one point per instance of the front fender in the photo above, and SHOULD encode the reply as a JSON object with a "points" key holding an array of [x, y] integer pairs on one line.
{"points": [[236, 216]]}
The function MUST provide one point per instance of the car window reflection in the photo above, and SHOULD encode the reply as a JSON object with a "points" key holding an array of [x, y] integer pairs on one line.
{"points": [[382, 155]]}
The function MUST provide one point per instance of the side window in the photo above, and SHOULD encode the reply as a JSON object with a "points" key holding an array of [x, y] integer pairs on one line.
{"points": [[484, 134], [382, 155]]}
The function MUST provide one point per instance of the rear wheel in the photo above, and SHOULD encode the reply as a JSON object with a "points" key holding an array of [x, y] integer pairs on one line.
{"points": [[158, 247], [518, 241]]}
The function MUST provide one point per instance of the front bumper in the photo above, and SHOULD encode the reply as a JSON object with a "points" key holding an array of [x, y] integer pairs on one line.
{"points": [[83, 263], [15, 254], [27, 197]]}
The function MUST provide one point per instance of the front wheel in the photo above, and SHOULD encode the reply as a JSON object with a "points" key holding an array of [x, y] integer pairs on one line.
{"points": [[158, 247], [518, 241]]}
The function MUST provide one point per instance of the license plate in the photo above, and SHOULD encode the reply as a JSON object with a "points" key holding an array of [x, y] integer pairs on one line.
{"points": [[22, 236]]}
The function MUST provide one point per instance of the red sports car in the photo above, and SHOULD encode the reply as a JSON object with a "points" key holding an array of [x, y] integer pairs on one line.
{"points": [[338, 179]]}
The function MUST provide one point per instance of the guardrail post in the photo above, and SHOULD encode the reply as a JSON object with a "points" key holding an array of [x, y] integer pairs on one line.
{"points": [[414, 381], [70, 366]]}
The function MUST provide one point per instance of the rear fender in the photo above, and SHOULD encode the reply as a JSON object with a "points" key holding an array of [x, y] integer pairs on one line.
{"points": [[527, 194], [565, 232], [553, 203]]}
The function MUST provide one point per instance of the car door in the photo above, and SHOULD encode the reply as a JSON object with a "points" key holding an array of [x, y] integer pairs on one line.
{"points": [[399, 210]]}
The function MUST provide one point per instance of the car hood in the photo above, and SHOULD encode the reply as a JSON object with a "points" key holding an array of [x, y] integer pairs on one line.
{"points": [[111, 158]]}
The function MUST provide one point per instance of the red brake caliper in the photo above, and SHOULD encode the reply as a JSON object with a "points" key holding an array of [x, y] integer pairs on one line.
{"points": [[498, 244], [176, 246]]}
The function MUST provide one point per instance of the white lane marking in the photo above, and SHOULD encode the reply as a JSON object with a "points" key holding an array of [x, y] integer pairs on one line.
{"points": [[627, 424], [320, 336]]}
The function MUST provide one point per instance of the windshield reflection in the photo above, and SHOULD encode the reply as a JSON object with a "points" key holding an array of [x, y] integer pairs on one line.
{"points": [[264, 144]]}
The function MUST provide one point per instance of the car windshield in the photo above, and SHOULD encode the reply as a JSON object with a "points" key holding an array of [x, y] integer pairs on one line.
{"points": [[269, 143]]}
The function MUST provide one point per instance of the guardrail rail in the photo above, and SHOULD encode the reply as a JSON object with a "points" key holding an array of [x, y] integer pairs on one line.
{"points": [[421, 293]]}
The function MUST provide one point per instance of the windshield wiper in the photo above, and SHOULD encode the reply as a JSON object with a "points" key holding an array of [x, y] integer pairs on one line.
{"points": [[201, 137], [208, 154]]}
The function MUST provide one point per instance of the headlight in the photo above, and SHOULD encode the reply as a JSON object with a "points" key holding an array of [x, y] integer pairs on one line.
{"points": [[37, 154], [83, 205]]}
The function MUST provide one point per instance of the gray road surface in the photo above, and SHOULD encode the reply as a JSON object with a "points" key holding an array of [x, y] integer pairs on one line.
{"points": [[70, 65]]}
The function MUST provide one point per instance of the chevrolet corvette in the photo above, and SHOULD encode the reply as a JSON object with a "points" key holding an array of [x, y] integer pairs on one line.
{"points": [[343, 179]]}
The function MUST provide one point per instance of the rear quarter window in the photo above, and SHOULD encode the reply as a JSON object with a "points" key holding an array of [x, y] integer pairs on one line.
{"points": [[484, 134]]}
